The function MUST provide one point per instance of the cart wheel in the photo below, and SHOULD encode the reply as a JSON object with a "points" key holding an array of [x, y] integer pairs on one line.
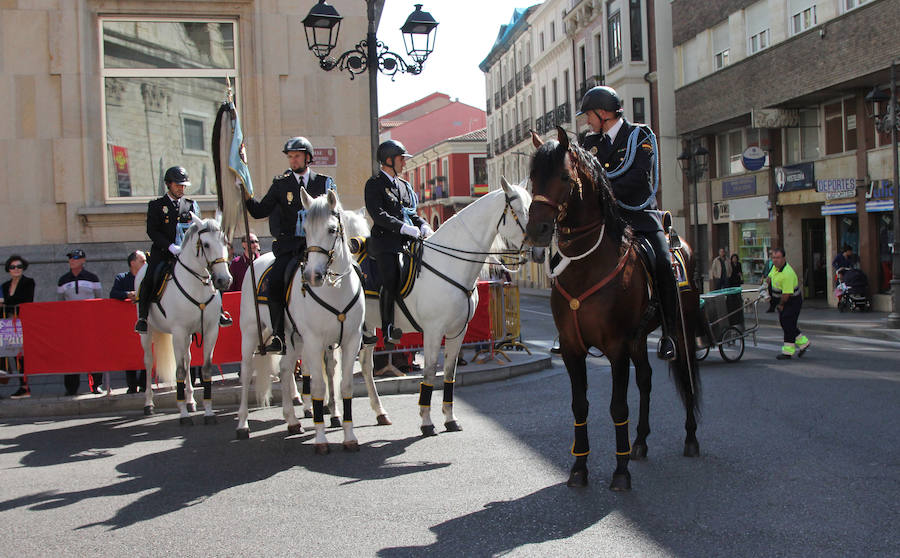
{"points": [[702, 353], [732, 345]]}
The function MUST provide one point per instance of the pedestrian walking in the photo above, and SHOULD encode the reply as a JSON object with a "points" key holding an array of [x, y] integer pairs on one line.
{"points": [[786, 287], [720, 270]]}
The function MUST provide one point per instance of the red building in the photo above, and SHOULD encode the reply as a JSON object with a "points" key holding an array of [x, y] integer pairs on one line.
{"points": [[449, 175], [430, 120]]}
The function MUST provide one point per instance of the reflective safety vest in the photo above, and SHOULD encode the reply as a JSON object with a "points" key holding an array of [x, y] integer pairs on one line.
{"points": [[784, 281]]}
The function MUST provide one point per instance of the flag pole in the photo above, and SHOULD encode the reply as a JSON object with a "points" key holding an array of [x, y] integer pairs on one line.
{"points": [[251, 256]]}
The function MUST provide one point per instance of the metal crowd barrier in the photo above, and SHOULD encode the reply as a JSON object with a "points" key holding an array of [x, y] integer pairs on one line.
{"points": [[506, 324]]}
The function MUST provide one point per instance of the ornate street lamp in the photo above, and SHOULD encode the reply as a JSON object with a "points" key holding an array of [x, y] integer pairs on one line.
{"points": [[322, 26], [890, 121], [694, 162]]}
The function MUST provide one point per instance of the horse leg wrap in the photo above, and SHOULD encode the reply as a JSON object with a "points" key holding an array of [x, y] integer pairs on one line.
{"points": [[425, 394], [448, 392], [348, 409], [318, 411], [306, 385], [207, 390], [580, 446], [179, 390], [623, 444]]}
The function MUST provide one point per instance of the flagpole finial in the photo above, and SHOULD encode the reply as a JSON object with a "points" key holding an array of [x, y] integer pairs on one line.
{"points": [[229, 93]]}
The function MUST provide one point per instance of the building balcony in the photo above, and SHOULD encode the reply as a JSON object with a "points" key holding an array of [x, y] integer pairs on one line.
{"points": [[563, 113], [526, 74], [526, 126], [497, 147], [511, 87], [539, 125], [503, 96], [518, 134], [518, 81], [509, 139], [591, 81], [550, 120], [497, 99], [487, 107]]}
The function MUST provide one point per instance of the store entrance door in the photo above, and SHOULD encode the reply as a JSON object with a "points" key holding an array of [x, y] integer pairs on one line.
{"points": [[815, 260]]}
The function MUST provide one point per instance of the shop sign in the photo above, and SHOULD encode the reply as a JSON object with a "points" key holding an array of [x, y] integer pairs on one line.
{"points": [[837, 188], [753, 158], [880, 190], [801, 176], [325, 156], [720, 210], [774, 118], [736, 187]]}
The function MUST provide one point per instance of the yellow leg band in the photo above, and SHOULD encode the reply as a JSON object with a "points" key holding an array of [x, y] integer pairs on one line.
{"points": [[621, 423], [623, 452], [580, 423]]}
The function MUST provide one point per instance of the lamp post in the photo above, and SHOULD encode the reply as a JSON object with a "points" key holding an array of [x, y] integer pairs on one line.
{"points": [[890, 120], [322, 26], [694, 162]]}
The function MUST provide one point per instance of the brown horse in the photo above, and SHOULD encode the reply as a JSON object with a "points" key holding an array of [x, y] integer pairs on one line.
{"points": [[602, 299]]}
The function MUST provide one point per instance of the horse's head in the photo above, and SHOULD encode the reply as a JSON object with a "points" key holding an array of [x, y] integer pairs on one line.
{"points": [[205, 242], [512, 225], [324, 230], [553, 178]]}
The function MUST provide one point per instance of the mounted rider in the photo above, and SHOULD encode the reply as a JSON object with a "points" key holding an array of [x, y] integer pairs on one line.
{"points": [[391, 202], [282, 206], [166, 226], [628, 154]]}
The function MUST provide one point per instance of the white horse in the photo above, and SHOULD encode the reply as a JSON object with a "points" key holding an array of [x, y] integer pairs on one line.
{"points": [[190, 303], [444, 297], [262, 366]]}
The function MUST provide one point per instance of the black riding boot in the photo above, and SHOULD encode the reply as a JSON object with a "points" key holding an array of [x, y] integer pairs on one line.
{"points": [[276, 314], [390, 333], [145, 294], [668, 291]]}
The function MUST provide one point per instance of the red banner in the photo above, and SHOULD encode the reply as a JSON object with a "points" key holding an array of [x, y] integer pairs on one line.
{"points": [[98, 335]]}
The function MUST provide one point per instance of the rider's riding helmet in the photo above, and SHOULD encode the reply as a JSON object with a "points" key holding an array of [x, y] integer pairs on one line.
{"points": [[390, 149], [299, 143], [178, 175], [601, 98]]}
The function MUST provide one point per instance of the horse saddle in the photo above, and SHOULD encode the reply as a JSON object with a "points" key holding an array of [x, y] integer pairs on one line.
{"points": [[648, 255], [161, 280], [410, 266], [262, 283]]}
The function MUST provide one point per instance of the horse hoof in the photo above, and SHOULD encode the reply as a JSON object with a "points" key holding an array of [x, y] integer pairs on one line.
{"points": [[383, 420], [209, 419], [692, 449], [186, 421], [620, 482], [351, 446], [453, 426], [428, 431], [298, 402], [578, 479], [295, 428], [242, 434], [192, 407], [335, 422], [307, 413], [322, 449], [639, 452], [148, 410]]}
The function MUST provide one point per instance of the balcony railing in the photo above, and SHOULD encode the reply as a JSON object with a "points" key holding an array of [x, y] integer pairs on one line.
{"points": [[503, 94], [591, 81], [539, 125], [497, 99], [488, 105], [496, 146], [526, 126], [518, 81], [563, 113], [509, 138], [502, 143], [550, 120], [511, 87], [518, 133], [526, 74]]}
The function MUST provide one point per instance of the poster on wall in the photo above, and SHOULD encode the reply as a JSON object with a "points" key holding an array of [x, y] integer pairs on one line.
{"points": [[123, 177], [795, 177]]}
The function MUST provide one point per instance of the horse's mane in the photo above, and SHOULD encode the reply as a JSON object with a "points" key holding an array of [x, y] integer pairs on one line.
{"points": [[320, 211], [191, 232], [355, 223], [548, 159]]}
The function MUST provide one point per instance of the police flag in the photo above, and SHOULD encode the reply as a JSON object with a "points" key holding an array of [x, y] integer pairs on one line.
{"points": [[230, 160]]}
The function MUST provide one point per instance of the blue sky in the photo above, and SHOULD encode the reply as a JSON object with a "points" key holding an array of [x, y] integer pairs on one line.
{"points": [[466, 31]]}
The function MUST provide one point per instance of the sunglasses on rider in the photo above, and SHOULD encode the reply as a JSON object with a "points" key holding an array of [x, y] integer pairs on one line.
{"points": [[17, 266]]}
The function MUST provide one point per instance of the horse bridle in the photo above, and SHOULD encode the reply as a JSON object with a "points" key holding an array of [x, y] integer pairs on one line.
{"points": [[209, 264], [333, 276]]}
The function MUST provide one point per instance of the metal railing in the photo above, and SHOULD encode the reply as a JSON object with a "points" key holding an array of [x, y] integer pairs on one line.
{"points": [[503, 94], [518, 81], [526, 74]]}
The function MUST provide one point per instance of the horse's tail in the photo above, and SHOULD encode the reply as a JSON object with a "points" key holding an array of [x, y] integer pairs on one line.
{"points": [[685, 368], [164, 356], [263, 367]]}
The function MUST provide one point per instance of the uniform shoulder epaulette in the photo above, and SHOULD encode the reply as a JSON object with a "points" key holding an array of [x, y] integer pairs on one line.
{"points": [[285, 174]]}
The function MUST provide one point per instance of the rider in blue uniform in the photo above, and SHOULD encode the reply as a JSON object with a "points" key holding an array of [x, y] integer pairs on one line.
{"points": [[391, 202], [165, 227], [282, 206], [627, 153]]}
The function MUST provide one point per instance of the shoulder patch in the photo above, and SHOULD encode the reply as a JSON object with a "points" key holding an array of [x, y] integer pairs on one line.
{"points": [[647, 147]]}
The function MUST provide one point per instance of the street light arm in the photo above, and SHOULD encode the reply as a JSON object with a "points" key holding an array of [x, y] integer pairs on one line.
{"points": [[356, 61]]}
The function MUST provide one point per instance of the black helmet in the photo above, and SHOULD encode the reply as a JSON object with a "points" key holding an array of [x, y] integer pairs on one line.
{"points": [[390, 149], [177, 175], [601, 98], [299, 143]]}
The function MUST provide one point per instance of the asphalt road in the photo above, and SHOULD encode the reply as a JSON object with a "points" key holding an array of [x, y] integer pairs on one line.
{"points": [[797, 458]]}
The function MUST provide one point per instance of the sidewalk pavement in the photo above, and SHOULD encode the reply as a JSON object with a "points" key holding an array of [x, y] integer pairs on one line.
{"points": [[46, 400], [815, 316]]}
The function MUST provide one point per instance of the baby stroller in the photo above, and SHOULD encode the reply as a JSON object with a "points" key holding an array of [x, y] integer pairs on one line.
{"points": [[852, 290]]}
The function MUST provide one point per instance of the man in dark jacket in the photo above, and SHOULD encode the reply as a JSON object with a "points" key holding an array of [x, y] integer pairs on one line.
{"points": [[123, 289], [627, 153], [163, 218], [282, 206], [391, 202]]}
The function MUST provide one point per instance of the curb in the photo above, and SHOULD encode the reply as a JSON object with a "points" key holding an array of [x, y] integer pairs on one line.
{"points": [[227, 393]]}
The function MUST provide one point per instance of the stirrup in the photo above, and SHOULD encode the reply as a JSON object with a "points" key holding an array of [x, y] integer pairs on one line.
{"points": [[369, 339], [666, 348], [276, 345], [225, 319], [141, 325], [394, 334]]}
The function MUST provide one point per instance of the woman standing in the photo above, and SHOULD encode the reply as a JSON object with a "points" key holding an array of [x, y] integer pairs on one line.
{"points": [[736, 279], [18, 290]]}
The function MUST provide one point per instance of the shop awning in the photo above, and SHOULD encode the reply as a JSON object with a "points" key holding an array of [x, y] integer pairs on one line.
{"points": [[839, 208], [879, 205]]}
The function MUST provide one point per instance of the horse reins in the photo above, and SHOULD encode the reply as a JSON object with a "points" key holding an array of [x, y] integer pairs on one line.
{"points": [[203, 280]]}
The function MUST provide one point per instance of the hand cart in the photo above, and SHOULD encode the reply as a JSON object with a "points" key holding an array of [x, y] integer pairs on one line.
{"points": [[723, 314]]}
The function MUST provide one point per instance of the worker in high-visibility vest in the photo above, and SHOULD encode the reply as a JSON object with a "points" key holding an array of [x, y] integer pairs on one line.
{"points": [[786, 290]]}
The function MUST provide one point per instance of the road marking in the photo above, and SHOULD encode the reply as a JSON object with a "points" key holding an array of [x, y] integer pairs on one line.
{"points": [[535, 312]]}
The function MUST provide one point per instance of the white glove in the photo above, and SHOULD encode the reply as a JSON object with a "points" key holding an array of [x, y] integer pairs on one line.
{"points": [[409, 230], [175, 249], [426, 230]]}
